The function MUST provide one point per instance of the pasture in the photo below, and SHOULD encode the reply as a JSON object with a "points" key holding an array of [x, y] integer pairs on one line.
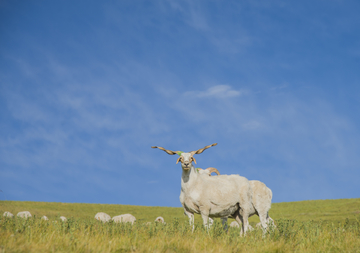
{"points": [[305, 226]]}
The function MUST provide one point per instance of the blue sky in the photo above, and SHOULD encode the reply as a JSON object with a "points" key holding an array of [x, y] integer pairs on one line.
{"points": [[87, 87]]}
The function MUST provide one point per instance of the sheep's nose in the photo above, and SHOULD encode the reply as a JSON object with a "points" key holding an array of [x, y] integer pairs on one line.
{"points": [[186, 164]]}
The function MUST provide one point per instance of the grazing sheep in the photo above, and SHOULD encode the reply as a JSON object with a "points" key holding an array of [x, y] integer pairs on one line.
{"points": [[63, 218], [261, 201], [104, 217], [222, 196], [160, 219], [44, 218], [24, 214], [8, 214], [124, 218], [234, 224], [262, 196]]}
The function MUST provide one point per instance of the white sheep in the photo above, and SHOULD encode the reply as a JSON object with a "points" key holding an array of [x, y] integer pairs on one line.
{"points": [[24, 214], [261, 200], [44, 218], [222, 196], [104, 217], [234, 224], [160, 219], [63, 218], [124, 218], [262, 196], [208, 171], [8, 214]]}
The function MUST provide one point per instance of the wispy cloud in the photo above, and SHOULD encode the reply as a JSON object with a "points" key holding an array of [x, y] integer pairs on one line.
{"points": [[218, 91]]}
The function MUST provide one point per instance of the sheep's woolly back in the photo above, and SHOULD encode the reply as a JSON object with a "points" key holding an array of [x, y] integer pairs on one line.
{"points": [[104, 217], [124, 218], [262, 196], [234, 224], [8, 214], [24, 214], [44, 218], [160, 219], [63, 218]]}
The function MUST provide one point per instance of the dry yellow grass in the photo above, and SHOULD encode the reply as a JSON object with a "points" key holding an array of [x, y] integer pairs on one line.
{"points": [[82, 233]]}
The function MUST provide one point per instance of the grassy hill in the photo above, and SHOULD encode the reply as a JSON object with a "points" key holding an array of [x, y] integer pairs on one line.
{"points": [[334, 210], [299, 229]]}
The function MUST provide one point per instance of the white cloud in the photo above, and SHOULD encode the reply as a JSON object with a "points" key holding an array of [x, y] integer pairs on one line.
{"points": [[218, 91]]}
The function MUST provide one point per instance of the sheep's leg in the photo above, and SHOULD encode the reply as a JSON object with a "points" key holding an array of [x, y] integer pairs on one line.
{"points": [[205, 221], [240, 221], [270, 222], [191, 219], [242, 218], [263, 220], [205, 217], [224, 223], [211, 222]]}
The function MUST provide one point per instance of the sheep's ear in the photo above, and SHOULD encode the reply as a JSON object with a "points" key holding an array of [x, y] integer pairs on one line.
{"points": [[199, 151], [194, 159], [178, 160]]}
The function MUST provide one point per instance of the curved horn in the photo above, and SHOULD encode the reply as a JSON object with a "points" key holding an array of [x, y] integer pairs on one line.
{"points": [[199, 151], [212, 169], [166, 150]]}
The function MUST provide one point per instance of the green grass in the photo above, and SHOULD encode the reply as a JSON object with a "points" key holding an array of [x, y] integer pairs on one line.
{"points": [[333, 210], [306, 226]]}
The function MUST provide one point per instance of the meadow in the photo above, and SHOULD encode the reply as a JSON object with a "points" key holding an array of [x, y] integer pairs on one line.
{"points": [[305, 226]]}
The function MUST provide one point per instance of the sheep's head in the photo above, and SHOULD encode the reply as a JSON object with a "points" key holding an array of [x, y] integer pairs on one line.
{"points": [[185, 158], [208, 171]]}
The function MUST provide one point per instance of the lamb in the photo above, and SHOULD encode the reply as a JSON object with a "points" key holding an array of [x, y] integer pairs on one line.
{"points": [[234, 224], [160, 219], [124, 218], [104, 217], [8, 214], [44, 218], [63, 218], [24, 214], [223, 196]]}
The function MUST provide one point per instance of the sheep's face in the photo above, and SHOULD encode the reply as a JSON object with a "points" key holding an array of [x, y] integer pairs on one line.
{"points": [[186, 159]]}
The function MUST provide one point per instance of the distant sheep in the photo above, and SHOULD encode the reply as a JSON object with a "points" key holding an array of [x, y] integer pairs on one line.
{"points": [[160, 219], [44, 218], [63, 218], [104, 217], [234, 224], [24, 214], [8, 214], [124, 218]]}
